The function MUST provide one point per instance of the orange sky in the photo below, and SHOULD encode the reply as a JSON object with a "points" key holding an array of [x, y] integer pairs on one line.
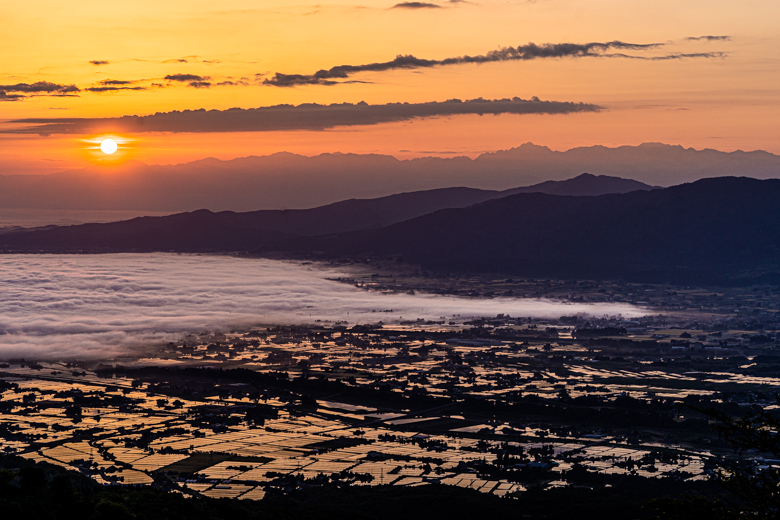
{"points": [[729, 101]]}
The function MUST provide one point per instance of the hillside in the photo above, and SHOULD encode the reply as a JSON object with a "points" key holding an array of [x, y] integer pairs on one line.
{"points": [[227, 229], [719, 231]]}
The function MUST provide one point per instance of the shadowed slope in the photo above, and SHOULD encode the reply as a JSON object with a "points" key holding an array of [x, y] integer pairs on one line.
{"points": [[714, 230], [724, 230]]}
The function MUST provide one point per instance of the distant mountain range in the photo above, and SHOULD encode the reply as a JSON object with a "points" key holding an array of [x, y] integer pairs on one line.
{"points": [[713, 231], [288, 181]]}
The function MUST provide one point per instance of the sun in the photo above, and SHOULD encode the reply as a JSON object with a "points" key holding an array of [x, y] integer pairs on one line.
{"points": [[108, 149], [108, 146]]}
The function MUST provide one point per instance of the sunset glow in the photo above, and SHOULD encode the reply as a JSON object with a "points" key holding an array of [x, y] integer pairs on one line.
{"points": [[705, 82], [390, 259]]}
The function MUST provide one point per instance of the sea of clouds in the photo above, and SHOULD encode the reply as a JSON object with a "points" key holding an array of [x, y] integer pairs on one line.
{"points": [[104, 306]]}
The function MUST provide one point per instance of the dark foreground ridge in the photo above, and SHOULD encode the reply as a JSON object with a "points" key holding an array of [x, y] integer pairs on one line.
{"points": [[713, 231]]}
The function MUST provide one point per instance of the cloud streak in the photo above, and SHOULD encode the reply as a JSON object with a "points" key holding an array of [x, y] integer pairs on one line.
{"points": [[531, 51], [289, 117], [40, 87], [708, 38], [104, 306], [112, 89], [416, 5], [20, 91], [673, 56], [425, 5], [11, 97], [192, 80], [186, 77]]}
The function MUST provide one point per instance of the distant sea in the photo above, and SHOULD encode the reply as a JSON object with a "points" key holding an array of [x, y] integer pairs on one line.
{"points": [[101, 306]]}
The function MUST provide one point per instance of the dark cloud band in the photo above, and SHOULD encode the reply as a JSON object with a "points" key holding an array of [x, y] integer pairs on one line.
{"points": [[186, 77], [530, 51], [673, 56], [289, 117], [40, 87], [416, 5], [708, 38], [112, 89], [20, 91]]}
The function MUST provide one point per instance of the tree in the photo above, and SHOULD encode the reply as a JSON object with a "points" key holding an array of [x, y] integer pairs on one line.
{"points": [[754, 486]]}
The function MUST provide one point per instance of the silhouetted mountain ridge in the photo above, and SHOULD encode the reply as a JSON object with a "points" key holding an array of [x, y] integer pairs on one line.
{"points": [[720, 231], [339, 217]]}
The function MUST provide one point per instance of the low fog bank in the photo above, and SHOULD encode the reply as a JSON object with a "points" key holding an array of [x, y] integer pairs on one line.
{"points": [[103, 306]]}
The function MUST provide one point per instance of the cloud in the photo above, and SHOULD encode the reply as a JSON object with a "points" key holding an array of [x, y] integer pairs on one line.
{"points": [[114, 85], [426, 5], [64, 307], [186, 77], [115, 82], [11, 97], [531, 51], [199, 84], [709, 38], [39, 87], [416, 5], [99, 62], [230, 83], [112, 89], [309, 116], [673, 56]]}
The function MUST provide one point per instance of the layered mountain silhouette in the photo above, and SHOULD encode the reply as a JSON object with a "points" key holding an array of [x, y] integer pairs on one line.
{"points": [[348, 215], [289, 181], [713, 231]]}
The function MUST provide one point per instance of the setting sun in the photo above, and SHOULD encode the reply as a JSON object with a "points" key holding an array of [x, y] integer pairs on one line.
{"points": [[108, 146]]}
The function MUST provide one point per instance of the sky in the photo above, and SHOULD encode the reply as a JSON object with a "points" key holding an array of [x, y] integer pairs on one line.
{"points": [[102, 306], [702, 74]]}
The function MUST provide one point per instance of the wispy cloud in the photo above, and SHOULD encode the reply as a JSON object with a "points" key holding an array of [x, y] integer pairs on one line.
{"points": [[192, 80], [416, 5], [709, 38], [11, 97], [112, 89], [531, 51], [21, 91], [302, 117], [40, 87], [672, 56], [186, 77], [115, 82], [426, 5]]}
